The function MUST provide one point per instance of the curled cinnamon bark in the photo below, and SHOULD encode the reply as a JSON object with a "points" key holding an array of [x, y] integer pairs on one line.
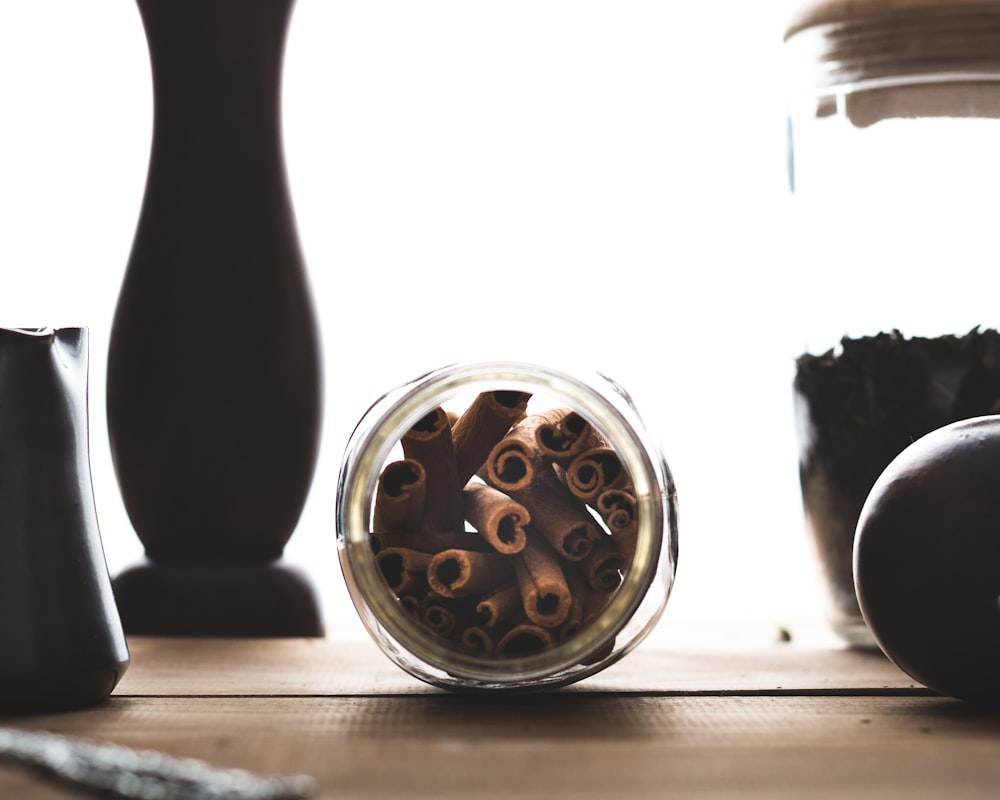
{"points": [[498, 518], [446, 616], [478, 641], [500, 606], [511, 464], [399, 497], [438, 618], [404, 570], [604, 566], [429, 442], [562, 434], [525, 640], [461, 573], [412, 604], [594, 471], [482, 425], [542, 583], [617, 508], [514, 460]]}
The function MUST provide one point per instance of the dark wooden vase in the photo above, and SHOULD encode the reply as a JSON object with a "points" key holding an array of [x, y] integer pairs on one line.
{"points": [[214, 375]]}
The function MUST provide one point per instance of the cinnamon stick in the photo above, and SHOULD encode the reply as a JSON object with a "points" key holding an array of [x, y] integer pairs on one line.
{"points": [[478, 641], [617, 508], [512, 462], [429, 442], [404, 570], [595, 470], [500, 606], [482, 425], [529, 444], [604, 566], [461, 573], [562, 434], [498, 518], [446, 616], [540, 578], [399, 497], [411, 603], [524, 640], [432, 542]]}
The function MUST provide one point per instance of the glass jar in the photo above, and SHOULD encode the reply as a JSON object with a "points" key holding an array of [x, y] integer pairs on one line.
{"points": [[506, 525], [893, 118]]}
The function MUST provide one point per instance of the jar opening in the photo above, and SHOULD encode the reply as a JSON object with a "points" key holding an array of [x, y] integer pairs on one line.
{"points": [[499, 533]]}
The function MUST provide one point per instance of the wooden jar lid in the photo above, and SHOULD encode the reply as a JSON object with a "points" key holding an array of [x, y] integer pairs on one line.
{"points": [[867, 44], [822, 12]]}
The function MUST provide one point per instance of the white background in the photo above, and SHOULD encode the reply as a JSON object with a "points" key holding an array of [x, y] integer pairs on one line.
{"points": [[588, 177]]}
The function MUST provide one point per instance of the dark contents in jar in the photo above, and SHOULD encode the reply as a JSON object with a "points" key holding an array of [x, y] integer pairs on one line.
{"points": [[858, 408], [501, 532]]}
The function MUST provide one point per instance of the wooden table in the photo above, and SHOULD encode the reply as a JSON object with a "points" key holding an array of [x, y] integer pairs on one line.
{"points": [[700, 718]]}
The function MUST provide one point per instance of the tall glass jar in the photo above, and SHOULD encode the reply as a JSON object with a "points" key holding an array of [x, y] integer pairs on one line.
{"points": [[505, 525], [893, 120]]}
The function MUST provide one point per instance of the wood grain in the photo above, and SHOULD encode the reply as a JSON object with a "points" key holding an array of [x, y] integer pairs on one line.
{"points": [[572, 744], [694, 717]]}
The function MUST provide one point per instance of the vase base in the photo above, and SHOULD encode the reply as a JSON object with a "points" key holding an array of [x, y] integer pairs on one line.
{"points": [[251, 600], [58, 690]]}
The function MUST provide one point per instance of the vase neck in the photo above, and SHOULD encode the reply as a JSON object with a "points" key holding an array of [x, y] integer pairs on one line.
{"points": [[216, 69]]}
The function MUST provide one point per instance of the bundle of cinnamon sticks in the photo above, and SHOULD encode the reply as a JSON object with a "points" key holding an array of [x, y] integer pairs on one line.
{"points": [[503, 532]]}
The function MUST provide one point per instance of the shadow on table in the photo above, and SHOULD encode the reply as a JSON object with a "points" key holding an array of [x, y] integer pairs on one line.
{"points": [[563, 715], [953, 716]]}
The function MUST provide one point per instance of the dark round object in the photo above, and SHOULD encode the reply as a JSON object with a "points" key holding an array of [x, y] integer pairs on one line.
{"points": [[927, 560]]}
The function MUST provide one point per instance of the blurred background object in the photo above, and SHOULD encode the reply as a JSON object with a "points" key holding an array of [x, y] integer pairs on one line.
{"points": [[894, 111]]}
